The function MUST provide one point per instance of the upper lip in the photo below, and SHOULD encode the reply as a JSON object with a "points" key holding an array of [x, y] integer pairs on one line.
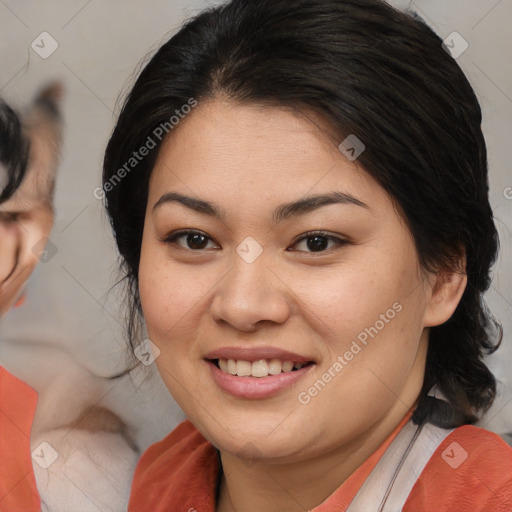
{"points": [[256, 353]]}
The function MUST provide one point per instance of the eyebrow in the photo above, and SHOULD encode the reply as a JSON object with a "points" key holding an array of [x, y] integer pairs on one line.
{"points": [[281, 213]]}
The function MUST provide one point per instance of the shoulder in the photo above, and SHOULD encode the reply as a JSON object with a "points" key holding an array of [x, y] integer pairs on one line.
{"points": [[183, 444], [17, 408], [17, 400], [8, 381], [184, 464], [470, 470]]}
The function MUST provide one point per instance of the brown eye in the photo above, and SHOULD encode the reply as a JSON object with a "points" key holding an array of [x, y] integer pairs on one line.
{"points": [[318, 241], [194, 240]]}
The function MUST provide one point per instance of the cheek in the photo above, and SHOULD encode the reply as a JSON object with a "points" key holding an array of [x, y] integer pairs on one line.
{"points": [[172, 298], [370, 315], [166, 304], [157, 288], [154, 291], [347, 302]]}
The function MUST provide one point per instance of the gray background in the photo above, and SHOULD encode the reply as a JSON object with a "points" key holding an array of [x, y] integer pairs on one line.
{"points": [[69, 306]]}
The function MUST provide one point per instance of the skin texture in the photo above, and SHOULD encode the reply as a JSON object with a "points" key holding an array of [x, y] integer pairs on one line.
{"points": [[278, 454]]}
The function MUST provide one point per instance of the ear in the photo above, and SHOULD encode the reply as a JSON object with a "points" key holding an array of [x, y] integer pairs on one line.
{"points": [[447, 287]]}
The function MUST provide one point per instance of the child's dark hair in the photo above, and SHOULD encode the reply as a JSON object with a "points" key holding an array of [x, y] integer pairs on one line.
{"points": [[14, 151], [367, 69]]}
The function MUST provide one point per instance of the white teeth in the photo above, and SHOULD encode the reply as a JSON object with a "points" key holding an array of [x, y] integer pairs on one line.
{"points": [[243, 368], [275, 366], [231, 366], [260, 368], [287, 366]]}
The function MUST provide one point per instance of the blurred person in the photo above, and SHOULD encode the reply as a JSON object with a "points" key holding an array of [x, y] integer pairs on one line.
{"points": [[94, 455], [29, 154]]}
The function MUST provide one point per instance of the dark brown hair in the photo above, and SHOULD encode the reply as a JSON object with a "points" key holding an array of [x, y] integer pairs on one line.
{"points": [[14, 149]]}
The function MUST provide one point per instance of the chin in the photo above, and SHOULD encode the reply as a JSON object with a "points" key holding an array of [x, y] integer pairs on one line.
{"points": [[253, 443]]}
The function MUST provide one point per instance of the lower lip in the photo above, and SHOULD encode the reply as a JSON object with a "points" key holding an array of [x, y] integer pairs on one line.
{"points": [[256, 387]]}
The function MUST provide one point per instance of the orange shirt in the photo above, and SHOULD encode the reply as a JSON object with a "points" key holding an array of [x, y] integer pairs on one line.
{"points": [[18, 490], [181, 473]]}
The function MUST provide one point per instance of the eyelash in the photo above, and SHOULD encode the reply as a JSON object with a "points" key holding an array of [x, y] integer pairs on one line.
{"points": [[310, 234]]}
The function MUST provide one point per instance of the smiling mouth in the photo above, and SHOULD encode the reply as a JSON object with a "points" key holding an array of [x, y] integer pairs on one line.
{"points": [[260, 368]]}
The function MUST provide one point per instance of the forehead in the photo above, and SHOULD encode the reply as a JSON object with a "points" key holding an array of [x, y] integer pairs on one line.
{"points": [[250, 152]]}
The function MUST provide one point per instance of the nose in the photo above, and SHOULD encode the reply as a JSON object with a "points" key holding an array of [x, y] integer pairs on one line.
{"points": [[251, 295]]}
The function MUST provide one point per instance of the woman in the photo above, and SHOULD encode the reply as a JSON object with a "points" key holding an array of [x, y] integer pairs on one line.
{"points": [[299, 194]]}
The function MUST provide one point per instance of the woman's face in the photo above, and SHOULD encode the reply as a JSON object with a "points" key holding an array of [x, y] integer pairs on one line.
{"points": [[249, 285]]}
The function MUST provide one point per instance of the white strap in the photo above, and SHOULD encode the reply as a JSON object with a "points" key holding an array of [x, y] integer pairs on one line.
{"points": [[421, 452], [389, 484]]}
